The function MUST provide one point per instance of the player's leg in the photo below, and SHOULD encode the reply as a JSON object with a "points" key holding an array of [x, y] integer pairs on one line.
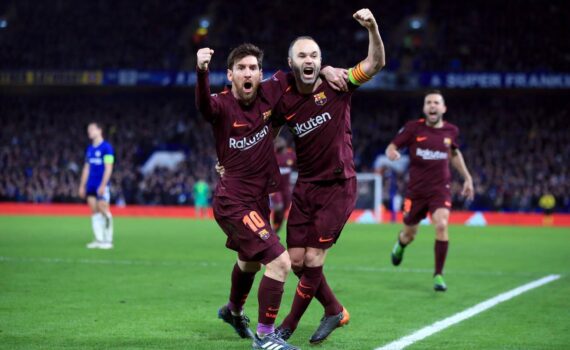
{"points": [[405, 237], [243, 275], [338, 201], [440, 220], [309, 282], [96, 222], [105, 210], [415, 210], [269, 297]]}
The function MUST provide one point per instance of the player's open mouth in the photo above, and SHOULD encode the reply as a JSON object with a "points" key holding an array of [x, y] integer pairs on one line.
{"points": [[308, 72], [247, 87]]}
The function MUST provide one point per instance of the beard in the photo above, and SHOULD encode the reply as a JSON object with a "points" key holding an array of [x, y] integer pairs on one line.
{"points": [[300, 76], [430, 119]]}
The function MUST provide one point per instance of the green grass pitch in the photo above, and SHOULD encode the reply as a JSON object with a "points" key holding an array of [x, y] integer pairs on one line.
{"points": [[161, 286]]}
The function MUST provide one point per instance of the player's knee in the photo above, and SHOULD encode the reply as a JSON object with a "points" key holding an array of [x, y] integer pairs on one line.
{"points": [[281, 264], [441, 226], [314, 257]]}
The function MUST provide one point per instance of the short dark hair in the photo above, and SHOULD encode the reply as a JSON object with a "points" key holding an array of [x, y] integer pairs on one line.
{"points": [[433, 92], [303, 37], [245, 50]]}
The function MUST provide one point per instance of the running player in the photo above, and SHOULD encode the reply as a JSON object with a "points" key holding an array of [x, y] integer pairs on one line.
{"points": [[94, 185], [432, 144], [281, 200], [325, 192]]}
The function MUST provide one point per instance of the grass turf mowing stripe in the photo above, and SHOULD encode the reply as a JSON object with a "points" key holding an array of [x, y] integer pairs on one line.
{"points": [[463, 315], [57, 260]]}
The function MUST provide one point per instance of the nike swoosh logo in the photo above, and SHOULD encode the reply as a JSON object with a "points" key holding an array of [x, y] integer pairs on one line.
{"points": [[302, 286], [289, 117], [421, 138], [324, 240], [238, 125]]}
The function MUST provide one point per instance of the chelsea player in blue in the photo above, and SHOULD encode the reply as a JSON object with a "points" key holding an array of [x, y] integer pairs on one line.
{"points": [[99, 160]]}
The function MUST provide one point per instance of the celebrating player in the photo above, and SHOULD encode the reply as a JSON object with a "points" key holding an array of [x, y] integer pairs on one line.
{"points": [[241, 118], [281, 200], [97, 170], [432, 143], [325, 192]]}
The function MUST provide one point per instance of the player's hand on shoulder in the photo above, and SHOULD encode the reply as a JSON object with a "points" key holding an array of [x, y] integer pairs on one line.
{"points": [[204, 56], [365, 18], [336, 77]]}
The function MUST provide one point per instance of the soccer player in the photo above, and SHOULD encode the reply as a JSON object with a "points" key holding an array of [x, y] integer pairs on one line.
{"points": [[325, 193], [432, 144], [242, 130], [94, 185], [201, 192], [281, 200]]}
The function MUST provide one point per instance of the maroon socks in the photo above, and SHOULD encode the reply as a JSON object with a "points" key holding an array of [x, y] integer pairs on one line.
{"points": [[440, 255], [269, 297], [241, 285]]}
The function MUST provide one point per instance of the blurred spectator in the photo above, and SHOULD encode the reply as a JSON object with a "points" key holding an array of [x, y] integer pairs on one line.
{"points": [[516, 146], [419, 35]]}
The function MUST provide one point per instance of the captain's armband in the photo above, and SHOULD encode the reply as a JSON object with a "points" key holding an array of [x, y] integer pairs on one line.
{"points": [[357, 76]]}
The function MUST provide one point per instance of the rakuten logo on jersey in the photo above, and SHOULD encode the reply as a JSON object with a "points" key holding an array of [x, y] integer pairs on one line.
{"points": [[428, 154], [248, 142], [310, 125]]}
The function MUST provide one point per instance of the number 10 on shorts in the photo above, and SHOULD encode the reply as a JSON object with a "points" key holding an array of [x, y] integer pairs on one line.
{"points": [[256, 224]]}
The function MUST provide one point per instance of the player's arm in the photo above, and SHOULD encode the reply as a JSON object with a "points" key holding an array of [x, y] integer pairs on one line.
{"points": [[458, 163], [204, 101], [404, 138], [83, 181], [392, 152], [376, 59], [108, 161], [336, 77]]}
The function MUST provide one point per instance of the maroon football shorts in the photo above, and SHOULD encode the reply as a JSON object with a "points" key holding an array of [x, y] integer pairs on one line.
{"points": [[246, 224], [416, 209], [319, 212]]}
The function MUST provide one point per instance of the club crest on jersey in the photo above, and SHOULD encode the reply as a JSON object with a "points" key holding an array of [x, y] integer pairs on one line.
{"points": [[447, 141], [320, 98], [97, 154], [266, 115], [263, 234]]}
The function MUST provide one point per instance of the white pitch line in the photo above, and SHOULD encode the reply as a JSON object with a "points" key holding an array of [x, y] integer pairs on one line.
{"points": [[463, 315]]}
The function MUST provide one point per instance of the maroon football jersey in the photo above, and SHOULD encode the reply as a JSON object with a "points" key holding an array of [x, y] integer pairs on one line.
{"points": [[243, 136], [320, 124], [430, 151], [286, 162]]}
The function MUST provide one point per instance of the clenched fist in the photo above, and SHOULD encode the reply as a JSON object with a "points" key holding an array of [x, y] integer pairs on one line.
{"points": [[365, 18], [204, 56]]}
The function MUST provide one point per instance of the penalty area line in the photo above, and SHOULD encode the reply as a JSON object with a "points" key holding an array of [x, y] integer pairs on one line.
{"points": [[463, 315]]}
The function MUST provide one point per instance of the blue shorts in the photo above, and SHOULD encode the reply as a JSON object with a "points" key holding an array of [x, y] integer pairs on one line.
{"points": [[91, 191]]}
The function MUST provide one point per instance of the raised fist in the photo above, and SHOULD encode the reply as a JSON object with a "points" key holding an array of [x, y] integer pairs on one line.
{"points": [[204, 56], [365, 18]]}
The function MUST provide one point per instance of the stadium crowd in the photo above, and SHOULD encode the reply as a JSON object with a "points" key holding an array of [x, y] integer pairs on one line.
{"points": [[517, 151], [419, 35]]}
